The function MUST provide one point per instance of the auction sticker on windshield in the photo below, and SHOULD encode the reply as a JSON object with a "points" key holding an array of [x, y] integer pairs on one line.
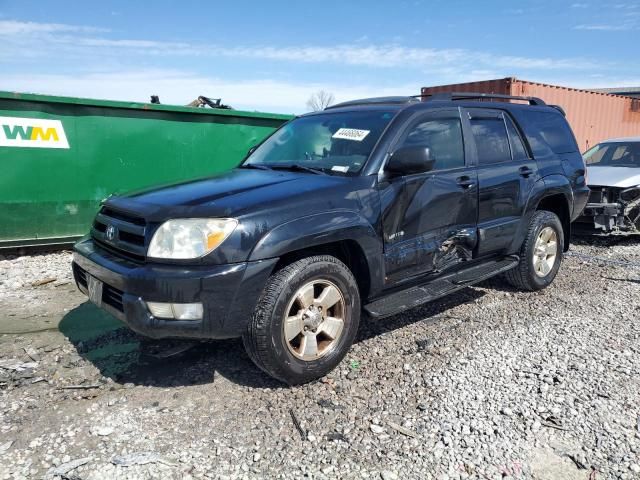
{"points": [[351, 134]]}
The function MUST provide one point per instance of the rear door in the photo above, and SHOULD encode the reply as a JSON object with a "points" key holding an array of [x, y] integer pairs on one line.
{"points": [[429, 219], [506, 174]]}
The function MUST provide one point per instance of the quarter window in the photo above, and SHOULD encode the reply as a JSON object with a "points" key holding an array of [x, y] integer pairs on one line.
{"points": [[491, 139], [548, 131], [443, 136], [518, 151]]}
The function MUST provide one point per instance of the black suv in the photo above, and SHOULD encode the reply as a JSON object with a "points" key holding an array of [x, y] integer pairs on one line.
{"points": [[379, 204]]}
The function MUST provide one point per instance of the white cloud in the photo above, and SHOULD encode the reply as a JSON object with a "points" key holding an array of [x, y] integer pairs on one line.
{"points": [[118, 68], [179, 88], [605, 27], [13, 27], [61, 39], [396, 56]]}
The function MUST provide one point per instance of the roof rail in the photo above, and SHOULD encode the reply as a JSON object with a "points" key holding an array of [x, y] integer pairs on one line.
{"points": [[449, 96], [375, 101]]}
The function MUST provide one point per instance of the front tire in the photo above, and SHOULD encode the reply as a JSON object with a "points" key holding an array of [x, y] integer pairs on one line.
{"points": [[541, 253], [305, 320]]}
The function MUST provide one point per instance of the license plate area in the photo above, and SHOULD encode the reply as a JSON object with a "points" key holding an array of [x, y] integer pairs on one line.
{"points": [[94, 287]]}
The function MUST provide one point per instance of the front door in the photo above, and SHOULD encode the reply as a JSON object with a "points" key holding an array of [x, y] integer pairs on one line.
{"points": [[429, 219], [506, 174]]}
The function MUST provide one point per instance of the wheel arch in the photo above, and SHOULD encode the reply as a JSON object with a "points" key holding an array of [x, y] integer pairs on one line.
{"points": [[551, 193], [343, 234], [558, 204]]}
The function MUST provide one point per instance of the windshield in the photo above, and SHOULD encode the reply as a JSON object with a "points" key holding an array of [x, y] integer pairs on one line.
{"points": [[332, 142], [623, 154]]}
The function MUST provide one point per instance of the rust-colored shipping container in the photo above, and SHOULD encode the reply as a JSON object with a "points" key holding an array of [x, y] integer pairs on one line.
{"points": [[594, 116]]}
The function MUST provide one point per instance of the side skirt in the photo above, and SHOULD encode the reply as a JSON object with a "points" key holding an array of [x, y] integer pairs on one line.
{"points": [[418, 295]]}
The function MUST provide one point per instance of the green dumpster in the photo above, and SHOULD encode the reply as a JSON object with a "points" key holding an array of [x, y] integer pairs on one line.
{"points": [[61, 156]]}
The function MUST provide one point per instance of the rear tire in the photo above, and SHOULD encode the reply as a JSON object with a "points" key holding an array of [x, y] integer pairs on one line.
{"points": [[541, 253], [305, 320]]}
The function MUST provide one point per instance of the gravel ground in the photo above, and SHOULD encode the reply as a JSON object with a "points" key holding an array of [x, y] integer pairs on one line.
{"points": [[487, 383]]}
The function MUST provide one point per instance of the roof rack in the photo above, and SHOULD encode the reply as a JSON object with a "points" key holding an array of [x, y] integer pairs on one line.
{"points": [[449, 96], [375, 101]]}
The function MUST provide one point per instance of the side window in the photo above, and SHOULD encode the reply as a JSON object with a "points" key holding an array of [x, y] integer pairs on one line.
{"points": [[443, 136], [518, 151], [619, 153], [491, 139]]}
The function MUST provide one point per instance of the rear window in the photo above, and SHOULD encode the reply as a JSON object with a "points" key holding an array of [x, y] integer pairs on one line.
{"points": [[547, 132]]}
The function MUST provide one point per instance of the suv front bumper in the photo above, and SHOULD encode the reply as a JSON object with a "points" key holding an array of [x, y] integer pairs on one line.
{"points": [[228, 293]]}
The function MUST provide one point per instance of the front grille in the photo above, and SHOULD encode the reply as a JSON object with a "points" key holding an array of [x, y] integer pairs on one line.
{"points": [[119, 252], [81, 275], [120, 233], [126, 217], [110, 295]]}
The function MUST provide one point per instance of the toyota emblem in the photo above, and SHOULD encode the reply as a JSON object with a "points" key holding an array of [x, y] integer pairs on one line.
{"points": [[111, 232]]}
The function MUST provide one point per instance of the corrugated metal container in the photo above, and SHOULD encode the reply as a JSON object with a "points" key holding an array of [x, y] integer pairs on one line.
{"points": [[593, 116], [61, 156]]}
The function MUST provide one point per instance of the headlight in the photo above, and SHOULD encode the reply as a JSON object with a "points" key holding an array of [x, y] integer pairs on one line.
{"points": [[186, 238], [630, 194]]}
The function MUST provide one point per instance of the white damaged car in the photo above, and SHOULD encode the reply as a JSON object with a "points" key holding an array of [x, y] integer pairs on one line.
{"points": [[613, 175]]}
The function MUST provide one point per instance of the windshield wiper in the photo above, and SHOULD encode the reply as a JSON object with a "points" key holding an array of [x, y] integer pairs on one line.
{"points": [[299, 168], [256, 166]]}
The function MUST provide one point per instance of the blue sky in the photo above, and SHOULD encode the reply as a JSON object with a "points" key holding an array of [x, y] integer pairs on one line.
{"points": [[272, 55]]}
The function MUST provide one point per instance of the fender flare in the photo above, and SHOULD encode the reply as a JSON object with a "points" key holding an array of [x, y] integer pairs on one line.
{"points": [[553, 184], [321, 229]]}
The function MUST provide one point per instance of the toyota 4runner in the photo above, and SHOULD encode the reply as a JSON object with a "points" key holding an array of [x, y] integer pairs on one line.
{"points": [[377, 205]]}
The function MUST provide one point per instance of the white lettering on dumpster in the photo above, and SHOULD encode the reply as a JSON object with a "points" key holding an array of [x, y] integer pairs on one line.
{"points": [[32, 132]]}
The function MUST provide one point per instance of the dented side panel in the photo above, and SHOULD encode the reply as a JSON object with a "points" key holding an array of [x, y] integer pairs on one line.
{"points": [[430, 225]]}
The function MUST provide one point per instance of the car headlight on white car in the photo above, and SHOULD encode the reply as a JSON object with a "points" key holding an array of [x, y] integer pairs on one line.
{"points": [[188, 238]]}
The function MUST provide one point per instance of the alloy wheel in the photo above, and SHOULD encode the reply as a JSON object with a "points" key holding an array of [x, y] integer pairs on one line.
{"points": [[545, 251], [314, 320]]}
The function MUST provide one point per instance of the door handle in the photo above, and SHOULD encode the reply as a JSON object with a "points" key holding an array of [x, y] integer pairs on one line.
{"points": [[465, 182], [526, 171]]}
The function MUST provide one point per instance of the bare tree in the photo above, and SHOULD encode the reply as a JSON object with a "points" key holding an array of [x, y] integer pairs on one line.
{"points": [[320, 100]]}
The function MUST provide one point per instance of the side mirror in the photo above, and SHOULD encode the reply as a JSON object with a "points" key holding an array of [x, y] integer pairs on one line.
{"points": [[410, 160]]}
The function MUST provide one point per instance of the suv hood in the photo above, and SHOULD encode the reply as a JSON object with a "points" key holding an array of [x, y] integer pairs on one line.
{"points": [[622, 177], [233, 193]]}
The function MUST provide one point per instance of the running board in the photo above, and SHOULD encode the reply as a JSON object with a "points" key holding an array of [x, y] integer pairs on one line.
{"points": [[421, 294]]}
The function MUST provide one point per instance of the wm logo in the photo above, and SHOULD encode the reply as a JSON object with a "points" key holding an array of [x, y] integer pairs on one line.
{"points": [[32, 132]]}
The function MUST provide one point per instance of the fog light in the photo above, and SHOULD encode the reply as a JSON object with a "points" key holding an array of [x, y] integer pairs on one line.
{"points": [[160, 310], [177, 311], [187, 311]]}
